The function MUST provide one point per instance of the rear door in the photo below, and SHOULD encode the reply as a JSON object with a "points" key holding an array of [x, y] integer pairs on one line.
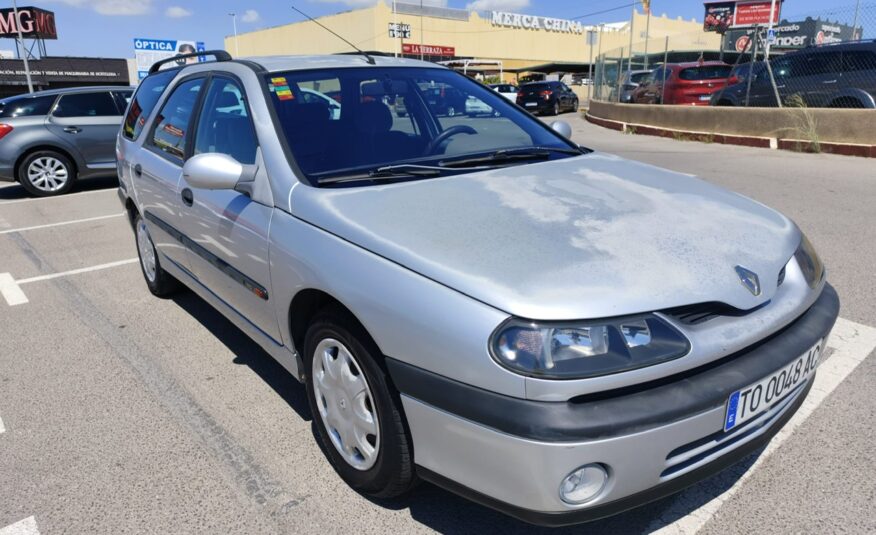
{"points": [[859, 73], [89, 121], [157, 169], [820, 74]]}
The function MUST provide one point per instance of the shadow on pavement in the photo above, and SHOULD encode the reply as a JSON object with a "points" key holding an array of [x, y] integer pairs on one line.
{"points": [[11, 193], [247, 352]]}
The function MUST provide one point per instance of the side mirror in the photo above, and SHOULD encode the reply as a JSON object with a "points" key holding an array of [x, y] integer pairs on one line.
{"points": [[562, 128], [218, 171]]}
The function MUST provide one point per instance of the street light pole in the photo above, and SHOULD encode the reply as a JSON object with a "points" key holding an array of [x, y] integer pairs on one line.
{"points": [[234, 23], [632, 26], [23, 49]]}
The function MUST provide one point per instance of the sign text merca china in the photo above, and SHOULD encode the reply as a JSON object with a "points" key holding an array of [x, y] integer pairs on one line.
{"points": [[533, 22]]}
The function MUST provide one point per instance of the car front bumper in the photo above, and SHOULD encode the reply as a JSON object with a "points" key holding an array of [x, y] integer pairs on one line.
{"points": [[512, 454]]}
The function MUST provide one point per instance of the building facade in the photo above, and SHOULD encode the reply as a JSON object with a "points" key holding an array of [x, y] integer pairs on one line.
{"points": [[511, 41]]}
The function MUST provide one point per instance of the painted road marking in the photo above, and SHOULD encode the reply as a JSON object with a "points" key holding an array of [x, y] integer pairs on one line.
{"points": [[28, 526], [66, 196], [851, 344], [61, 223], [11, 288], [2, 427]]}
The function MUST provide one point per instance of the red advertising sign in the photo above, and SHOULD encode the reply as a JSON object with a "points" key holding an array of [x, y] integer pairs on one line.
{"points": [[428, 50], [33, 22], [754, 13]]}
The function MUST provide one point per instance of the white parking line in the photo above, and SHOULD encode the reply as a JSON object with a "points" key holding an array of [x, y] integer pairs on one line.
{"points": [[11, 288], [28, 526], [851, 343], [61, 223], [68, 195], [2, 427]]}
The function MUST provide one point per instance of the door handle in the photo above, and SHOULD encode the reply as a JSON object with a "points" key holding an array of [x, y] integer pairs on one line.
{"points": [[72, 129], [187, 197], [138, 170]]}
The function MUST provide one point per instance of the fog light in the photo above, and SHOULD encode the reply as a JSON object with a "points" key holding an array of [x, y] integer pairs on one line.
{"points": [[583, 484]]}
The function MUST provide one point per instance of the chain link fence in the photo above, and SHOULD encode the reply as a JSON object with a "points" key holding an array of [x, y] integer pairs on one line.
{"points": [[822, 59]]}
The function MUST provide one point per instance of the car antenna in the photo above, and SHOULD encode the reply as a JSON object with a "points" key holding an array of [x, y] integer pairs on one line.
{"points": [[368, 58]]}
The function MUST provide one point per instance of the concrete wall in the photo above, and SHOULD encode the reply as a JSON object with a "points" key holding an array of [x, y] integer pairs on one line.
{"points": [[832, 125]]}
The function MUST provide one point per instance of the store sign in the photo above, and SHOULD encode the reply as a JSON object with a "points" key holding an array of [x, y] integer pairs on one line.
{"points": [[532, 22], [428, 50], [33, 22], [721, 16], [49, 70], [149, 51], [398, 30], [793, 35]]}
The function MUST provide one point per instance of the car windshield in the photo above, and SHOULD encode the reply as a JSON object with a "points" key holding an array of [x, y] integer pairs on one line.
{"points": [[379, 118], [706, 72], [639, 76]]}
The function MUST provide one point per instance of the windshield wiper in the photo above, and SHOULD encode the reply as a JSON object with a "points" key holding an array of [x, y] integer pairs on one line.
{"points": [[389, 172], [510, 155]]}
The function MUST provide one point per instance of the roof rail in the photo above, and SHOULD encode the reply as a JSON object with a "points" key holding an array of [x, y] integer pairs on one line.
{"points": [[220, 55]]}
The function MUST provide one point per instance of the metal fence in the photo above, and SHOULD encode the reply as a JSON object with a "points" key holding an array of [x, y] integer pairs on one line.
{"points": [[822, 59]]}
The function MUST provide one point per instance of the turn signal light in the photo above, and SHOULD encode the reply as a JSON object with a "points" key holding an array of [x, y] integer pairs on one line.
{"points": [[5, 129]]}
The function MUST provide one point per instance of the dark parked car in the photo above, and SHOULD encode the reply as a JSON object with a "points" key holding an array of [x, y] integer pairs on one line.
{"points": [[547, 98], [828, 76], [50, 138], [685, 83], [629, 82]]}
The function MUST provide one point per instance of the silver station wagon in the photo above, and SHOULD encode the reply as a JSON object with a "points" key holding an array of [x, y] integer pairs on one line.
{"points": [[473, 301]]}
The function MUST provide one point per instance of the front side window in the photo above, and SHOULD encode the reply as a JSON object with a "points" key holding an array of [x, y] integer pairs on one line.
{"points": [[397, 115], [224, 125], [26, 106], [144, 101], [170, 131], [100, 104]]}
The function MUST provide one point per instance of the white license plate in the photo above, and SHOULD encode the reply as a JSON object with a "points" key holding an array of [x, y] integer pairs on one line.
{"points": [[531, 104], [705, 97], [748, 402]]}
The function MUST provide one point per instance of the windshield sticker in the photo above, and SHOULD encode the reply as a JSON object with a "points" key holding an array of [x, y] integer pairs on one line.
{"points": [[284, 93], [280, 80]]}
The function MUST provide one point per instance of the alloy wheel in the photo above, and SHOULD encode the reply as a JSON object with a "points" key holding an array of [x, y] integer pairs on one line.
{"points": [[345, 404], [147, 251], [48, 174]]}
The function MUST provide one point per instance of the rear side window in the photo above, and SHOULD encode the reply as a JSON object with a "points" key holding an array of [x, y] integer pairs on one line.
{"points": [[171, 128], [820, 63], [144, 101], [859, 60], [706, 72], [27, 107], [99, 104]]}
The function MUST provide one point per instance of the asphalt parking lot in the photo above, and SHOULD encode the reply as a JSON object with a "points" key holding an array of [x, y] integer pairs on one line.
{"points": [[120, 412]]}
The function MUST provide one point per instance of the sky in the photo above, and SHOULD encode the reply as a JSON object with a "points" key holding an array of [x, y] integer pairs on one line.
{"points": [[107, 28]]}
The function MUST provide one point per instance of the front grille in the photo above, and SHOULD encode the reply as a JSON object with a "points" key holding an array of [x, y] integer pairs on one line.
{"points": [[703, 312], [700, 451]]}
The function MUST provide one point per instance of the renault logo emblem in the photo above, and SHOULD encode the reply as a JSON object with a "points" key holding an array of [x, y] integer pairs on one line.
{"points": [[749, 279]]}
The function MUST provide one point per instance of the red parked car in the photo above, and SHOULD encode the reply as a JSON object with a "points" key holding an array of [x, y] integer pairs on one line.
{"points": [[686, 83]]}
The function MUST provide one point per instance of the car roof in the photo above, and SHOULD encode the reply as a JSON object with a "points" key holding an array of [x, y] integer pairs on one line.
{"points": [[68, 90], [689, 64]]}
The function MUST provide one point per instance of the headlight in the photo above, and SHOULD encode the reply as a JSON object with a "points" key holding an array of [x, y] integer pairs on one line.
{"points": [[810, 264], [573, 350]]}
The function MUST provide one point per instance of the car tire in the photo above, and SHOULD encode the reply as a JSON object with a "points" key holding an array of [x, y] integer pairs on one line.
{"points": [[160, 282], [46, 173], [451, 111], [339, 357], [556, 109], [575, 104]]}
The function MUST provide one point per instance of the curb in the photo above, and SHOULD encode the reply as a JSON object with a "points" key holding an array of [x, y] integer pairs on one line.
{"points": [[794, 145]]}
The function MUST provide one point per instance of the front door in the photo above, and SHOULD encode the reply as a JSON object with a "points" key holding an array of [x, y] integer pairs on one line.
{"points": [[228, 231]]}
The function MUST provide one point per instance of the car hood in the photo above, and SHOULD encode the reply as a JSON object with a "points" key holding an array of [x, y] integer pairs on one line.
{"points": [[583, 237]]}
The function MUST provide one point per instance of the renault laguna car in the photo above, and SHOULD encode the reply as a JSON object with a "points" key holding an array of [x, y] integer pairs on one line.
{"points": [[477, 302]]}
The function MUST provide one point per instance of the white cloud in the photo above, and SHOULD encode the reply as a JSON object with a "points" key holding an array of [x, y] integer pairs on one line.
{"points": [[113, 7], [497, 5], [177, 12], [250, 15]]}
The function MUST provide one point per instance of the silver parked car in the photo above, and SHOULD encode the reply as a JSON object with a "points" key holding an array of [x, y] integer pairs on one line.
{"points": [[478, 302], [49, 139]]}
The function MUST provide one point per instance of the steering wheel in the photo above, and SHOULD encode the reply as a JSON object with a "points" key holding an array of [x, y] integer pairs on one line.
{"points": [[447, 134]]}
